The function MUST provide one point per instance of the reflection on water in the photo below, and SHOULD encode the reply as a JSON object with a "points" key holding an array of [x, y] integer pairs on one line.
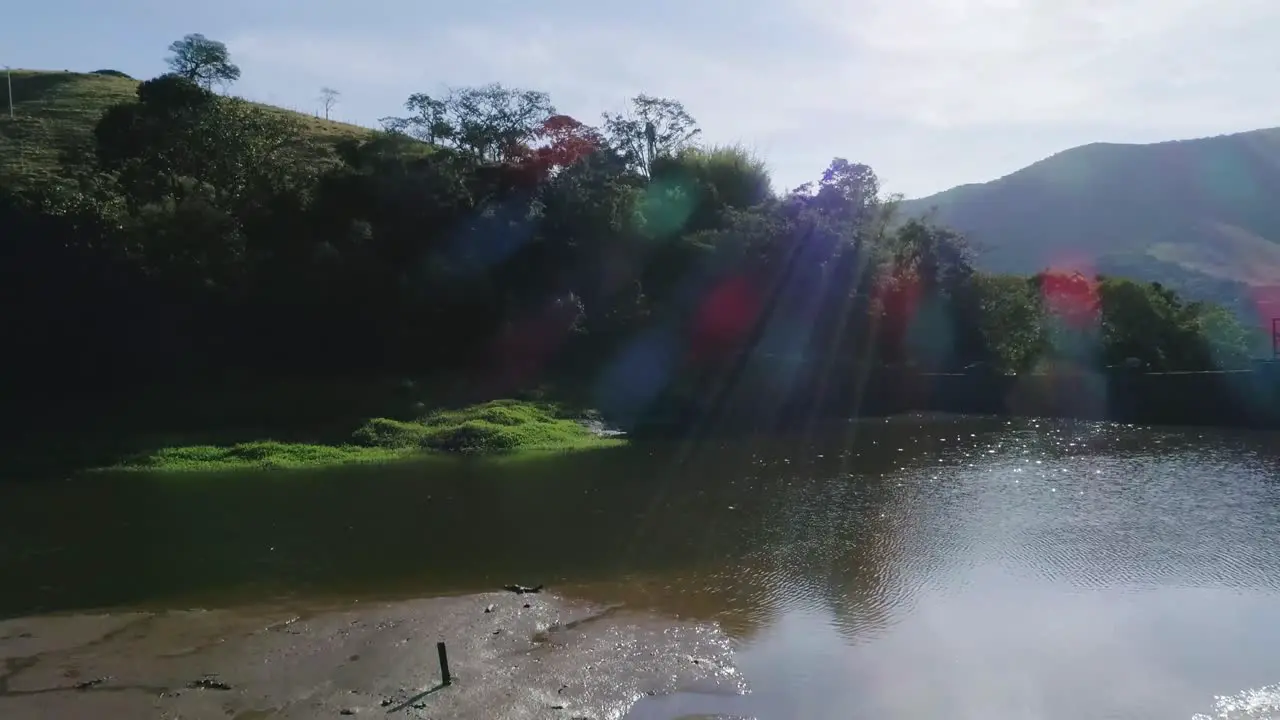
{"points": [[1259, 704], [916, 567]]}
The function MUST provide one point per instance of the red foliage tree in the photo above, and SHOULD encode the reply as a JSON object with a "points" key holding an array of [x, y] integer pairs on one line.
{"points": [[567, 141], [560, 142], [1071, 297], [898, 294]]}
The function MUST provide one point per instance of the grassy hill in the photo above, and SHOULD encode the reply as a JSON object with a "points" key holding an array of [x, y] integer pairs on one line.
{"points": [[55, 113], [1204, 208]]}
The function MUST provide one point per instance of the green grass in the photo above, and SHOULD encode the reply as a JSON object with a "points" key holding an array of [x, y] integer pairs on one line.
{"points": [[499, 427], [55, 113], [264, 454]]}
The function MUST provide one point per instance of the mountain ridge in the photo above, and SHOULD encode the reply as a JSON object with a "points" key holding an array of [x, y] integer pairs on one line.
{"points": [[1100, 144], [1203, 204]]}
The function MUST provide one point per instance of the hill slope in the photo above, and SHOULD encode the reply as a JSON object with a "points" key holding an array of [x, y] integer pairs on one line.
{"points": [[1201, 210], [55, 113]]}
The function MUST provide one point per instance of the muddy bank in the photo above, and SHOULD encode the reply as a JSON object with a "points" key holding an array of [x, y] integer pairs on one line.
{"points": [[512, 656]]}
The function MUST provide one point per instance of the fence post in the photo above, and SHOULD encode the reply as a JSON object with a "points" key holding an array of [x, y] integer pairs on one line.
{"points": [[445, 678]]}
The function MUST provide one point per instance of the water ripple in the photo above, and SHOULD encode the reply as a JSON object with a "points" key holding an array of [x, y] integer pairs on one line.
{"points": [[1259, 704]]}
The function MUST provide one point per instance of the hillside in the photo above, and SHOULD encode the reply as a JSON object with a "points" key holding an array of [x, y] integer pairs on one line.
{"points": [[1191, 212], [55, 113]]}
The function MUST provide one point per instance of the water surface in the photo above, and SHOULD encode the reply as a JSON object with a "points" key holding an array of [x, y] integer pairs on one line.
{"points": [[915, 567]]}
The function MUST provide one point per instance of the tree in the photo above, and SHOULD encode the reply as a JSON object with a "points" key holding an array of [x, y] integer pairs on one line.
{"points": [[1011, 320], [1073, 311], [1150, 322], [492, 123], [202, 61], [429, 122], [1226, 341], [328, 98], [939, 259], [691, 190], [651, 128], [488, 215], [151, 143], [564, 141], [846, 190], [178, 135]]}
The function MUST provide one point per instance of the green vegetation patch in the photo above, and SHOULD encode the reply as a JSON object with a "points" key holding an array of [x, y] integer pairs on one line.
{"points": [[265, 454], [499, 426]]}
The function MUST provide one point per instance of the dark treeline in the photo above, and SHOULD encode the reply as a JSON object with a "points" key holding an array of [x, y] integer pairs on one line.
{"points": [[487, 235]]}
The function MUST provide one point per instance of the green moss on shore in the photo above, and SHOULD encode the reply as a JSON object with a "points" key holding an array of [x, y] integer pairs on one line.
{"points": [[499, 427], [264, 454]]}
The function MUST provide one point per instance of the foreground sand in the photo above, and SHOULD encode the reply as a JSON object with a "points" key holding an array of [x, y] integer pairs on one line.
{"points": [[554, 658]]}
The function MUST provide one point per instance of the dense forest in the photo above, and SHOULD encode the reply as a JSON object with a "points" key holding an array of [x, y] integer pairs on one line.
{"points": [[484, 234]]}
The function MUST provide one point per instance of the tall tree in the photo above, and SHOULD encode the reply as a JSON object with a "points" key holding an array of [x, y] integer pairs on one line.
{"points": [[429, 122], [938, 258], [203, 61], [1011, 319], [564, 141], [650, 128], [492, 123], [1073, 310]]}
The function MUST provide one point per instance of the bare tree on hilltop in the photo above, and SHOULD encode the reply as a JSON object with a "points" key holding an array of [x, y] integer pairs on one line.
{"points": [[328, 98]]}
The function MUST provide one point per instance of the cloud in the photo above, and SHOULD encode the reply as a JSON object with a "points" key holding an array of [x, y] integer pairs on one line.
{"points": [[896, 83], [589, 67], [1148, 63]]}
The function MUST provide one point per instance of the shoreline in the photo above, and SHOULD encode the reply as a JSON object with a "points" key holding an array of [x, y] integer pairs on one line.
{"points": [[511, 656]]}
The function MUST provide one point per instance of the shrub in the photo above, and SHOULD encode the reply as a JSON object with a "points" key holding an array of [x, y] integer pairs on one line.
{"points": [[493, 427], [473, 437], [505, 425], [388, 433]]}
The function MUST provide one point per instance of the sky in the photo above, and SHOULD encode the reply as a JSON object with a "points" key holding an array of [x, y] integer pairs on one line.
{"points": [[929, 93]]}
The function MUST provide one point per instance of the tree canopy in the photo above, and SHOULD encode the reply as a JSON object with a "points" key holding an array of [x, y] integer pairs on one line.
{"points": [[487, 233], [202, 61]]}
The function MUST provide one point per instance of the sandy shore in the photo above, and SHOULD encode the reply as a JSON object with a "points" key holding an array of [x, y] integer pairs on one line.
{"points": [[512, 656]]}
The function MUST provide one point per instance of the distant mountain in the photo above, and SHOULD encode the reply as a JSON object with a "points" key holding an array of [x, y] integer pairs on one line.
{"points": [[1201, 213]]}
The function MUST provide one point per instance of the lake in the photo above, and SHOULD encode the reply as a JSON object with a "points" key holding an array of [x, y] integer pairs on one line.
{"points": [[921, 566]]}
